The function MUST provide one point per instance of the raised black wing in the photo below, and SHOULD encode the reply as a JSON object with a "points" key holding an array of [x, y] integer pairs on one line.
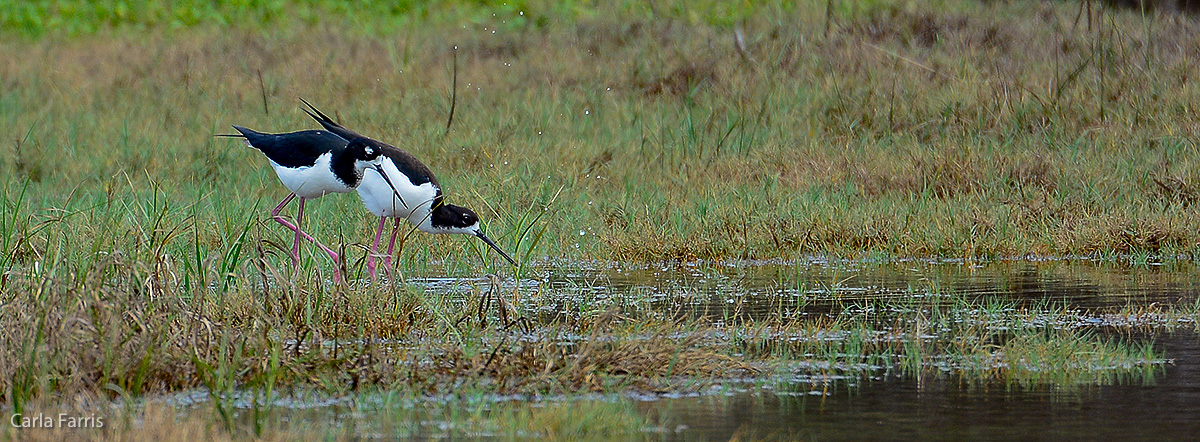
{"points": [[328, 123]]}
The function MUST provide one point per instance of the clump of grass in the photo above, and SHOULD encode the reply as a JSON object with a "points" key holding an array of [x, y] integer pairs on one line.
{"points": [[648, 356], [572, 420], [976, 341], [1183, 316], [1070, 358]]}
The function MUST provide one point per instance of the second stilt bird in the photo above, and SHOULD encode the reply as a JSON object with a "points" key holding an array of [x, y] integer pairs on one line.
{"points": [[417, 196]]}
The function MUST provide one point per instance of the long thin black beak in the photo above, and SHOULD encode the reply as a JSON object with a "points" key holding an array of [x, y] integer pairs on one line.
{"points": [[489, 242], [379, 168]]}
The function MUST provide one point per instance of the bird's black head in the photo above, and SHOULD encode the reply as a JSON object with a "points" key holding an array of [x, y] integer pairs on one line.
{"points": [[364, 150], [360, 154], [455, 219], [447, 218]]}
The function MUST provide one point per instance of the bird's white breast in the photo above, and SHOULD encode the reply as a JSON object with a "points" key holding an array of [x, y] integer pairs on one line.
{"points": [[379, 199], [312, 182]]}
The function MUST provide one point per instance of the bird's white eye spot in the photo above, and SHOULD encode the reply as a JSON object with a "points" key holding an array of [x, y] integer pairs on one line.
{"points": [[370, 151]]}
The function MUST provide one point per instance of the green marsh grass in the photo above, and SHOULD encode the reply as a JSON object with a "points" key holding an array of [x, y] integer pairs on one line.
{"points": [[977, 341]]}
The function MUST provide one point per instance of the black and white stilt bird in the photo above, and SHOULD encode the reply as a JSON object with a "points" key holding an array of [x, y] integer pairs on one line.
{"points": [[417, 198], [312, 164]]}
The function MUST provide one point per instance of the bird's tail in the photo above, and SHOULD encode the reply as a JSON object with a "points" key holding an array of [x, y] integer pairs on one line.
{"points": [[243, 133]]}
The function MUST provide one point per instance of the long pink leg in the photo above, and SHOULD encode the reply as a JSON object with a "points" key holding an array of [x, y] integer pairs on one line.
{"points": [[387, 261], [337, 274], [295, 244], [374, 249]]}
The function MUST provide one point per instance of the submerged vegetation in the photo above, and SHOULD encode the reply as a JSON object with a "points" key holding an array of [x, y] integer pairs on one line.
{"points": [[137, 257]]}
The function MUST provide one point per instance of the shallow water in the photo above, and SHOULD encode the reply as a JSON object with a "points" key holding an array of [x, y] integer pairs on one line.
{"points": [[943, 407], [879, 405], [1079, 284], [910, 409]]}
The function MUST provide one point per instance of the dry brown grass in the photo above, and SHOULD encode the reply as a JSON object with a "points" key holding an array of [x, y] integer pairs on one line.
{"points": [[647, 356]]}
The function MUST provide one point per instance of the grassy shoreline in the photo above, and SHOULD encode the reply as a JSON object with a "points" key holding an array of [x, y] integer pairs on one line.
{"points": [[144, 335]]}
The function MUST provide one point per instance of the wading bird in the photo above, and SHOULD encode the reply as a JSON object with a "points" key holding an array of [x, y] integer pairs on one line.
{"points": [[417, 195], [312, 164]]}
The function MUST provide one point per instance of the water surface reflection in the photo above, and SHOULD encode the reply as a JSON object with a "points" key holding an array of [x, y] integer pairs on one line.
{"points": [[905, 408]]}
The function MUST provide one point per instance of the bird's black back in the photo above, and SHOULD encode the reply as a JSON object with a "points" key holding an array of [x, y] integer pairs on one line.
{"points": [[417, 171], [409, 165], [294, 149]]}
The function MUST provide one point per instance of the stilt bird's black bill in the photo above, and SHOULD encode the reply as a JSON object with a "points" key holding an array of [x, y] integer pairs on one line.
{"points": [[379, 168], [494, 246]]}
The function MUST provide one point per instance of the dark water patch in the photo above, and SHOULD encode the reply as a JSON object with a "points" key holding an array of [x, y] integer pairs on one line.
{"points": [[901, 407]]}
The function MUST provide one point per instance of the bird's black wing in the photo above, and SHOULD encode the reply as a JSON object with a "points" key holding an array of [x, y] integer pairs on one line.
{"points": [[409, 165], [294, 149], [416, 171]]}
